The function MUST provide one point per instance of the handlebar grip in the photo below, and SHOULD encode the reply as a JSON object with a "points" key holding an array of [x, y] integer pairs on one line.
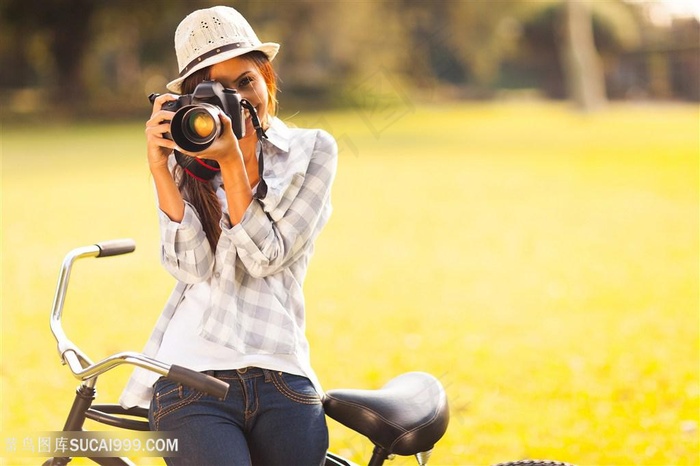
{"points": [[199, 381], [116, 247]]}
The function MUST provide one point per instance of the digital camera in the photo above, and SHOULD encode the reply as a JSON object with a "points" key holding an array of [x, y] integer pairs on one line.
{"points": [[196, 123]]}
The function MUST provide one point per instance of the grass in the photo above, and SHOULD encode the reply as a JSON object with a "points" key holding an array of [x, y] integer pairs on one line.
{"points": [[542, 263]]}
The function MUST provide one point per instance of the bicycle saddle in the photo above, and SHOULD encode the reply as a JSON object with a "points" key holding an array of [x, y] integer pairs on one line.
{"points": [[406, 416]]}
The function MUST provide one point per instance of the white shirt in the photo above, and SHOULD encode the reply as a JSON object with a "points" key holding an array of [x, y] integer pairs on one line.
{"points": [[184, 346], [255, 304]]}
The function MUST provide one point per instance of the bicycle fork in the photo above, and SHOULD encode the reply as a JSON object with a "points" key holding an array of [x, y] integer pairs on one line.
{"points": [[84, 396]]}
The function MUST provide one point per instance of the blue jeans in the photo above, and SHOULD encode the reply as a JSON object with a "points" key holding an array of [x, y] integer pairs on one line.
{"points": [[267, 418]]}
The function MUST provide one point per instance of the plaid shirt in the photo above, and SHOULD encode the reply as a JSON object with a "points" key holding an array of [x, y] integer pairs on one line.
{"points": [[258, 268]]}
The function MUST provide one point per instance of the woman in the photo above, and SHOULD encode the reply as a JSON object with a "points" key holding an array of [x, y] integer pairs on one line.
{"points": [[240, 255]]}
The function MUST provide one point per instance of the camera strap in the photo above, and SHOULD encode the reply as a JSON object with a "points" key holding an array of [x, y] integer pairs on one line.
{"points": [[200, 169], [261, 192]]}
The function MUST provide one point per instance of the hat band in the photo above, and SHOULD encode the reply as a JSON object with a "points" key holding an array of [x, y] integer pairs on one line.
{"points": [[213, 53]]}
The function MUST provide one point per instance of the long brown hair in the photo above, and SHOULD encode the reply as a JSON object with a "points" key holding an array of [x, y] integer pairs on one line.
{"points": [[200, 193]]}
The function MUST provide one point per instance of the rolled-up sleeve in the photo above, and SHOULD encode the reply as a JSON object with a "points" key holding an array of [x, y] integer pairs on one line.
{"points": [[185, 251], [275, 232]]}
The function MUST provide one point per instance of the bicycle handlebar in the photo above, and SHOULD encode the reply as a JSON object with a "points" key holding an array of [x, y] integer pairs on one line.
{"points": [[116, 247], [202, 382], [81, 366]]}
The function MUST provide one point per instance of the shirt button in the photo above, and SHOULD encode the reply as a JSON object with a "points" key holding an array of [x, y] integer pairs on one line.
{"points": [[217, 274]]}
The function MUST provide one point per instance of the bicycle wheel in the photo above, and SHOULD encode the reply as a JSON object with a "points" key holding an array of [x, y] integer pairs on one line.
{"points": [[335, 460]]}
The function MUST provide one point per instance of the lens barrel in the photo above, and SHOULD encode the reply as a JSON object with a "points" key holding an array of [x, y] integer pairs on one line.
{"points": [[194, 127]]}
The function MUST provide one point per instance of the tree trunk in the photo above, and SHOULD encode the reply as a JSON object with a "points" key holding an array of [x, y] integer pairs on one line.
{"points": [[70, 38], [583, 69]]}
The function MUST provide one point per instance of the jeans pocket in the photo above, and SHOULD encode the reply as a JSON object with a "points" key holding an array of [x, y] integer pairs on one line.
{"points": [[168, 397], [296, 388]]}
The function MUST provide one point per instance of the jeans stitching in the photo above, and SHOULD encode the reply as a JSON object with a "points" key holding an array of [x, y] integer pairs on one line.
{"points": [[285, 390], [165, 410], [159, 396], [255, 398]]}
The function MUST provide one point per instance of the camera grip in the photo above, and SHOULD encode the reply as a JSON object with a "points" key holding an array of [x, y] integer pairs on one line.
{"points": [[170, 105]]}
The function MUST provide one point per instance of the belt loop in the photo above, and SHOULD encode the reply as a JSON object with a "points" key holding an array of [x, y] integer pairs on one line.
{"points": [[268, 375]]}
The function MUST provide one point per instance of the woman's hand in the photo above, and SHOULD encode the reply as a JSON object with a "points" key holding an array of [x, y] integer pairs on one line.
{"points": [[225, 148], [158, 147]]}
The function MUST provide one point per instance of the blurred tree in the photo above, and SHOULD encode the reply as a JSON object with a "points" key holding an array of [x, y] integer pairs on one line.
{"points": [[462, 43], [472, 43], [483, 34], [107, 54], [131, 52], [328, 49], [86, 53], [64, 27], [583, 69], [571, 50], [685, 60]]}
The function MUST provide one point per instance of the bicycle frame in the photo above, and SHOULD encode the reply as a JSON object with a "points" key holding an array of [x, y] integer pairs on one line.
{"points": [[87, 371], [405, 417]]}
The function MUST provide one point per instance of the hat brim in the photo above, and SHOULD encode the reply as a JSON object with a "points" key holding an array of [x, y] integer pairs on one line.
{"points": [[268, 48]]}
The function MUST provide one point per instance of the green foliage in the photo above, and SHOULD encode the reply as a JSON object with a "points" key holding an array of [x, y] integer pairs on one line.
{"points": [[102, 58]]}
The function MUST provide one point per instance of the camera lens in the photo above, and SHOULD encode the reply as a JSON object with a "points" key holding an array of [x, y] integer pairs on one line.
{"points": [[200, 124], [195, 127]]}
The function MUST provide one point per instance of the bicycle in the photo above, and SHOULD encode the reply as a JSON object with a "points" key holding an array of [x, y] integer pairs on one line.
{"points": [[406, 417]]}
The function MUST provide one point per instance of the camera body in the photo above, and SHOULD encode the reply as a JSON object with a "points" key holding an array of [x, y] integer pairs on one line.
{"points": [[196, 123]]}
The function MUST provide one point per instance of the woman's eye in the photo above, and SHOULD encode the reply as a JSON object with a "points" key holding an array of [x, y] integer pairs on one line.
{"points": [[245, 82]]}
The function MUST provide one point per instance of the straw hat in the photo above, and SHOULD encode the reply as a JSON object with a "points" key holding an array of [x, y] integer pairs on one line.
{"points": [[213, 35]]}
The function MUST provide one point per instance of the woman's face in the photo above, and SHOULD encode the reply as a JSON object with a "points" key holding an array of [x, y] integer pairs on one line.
{"points": [[243, 76]]}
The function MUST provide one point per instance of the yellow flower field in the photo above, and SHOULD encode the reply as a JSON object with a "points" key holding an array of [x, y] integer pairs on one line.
{"points": [[541, 263]]}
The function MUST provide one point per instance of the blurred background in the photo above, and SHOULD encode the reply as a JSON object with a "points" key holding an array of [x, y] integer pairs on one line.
{"points": [[515, 210], [100, 58]]}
